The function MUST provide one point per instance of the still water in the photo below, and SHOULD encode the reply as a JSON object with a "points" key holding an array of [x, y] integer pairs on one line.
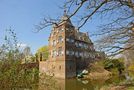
{"points": [[77, 84], [68, 84]]}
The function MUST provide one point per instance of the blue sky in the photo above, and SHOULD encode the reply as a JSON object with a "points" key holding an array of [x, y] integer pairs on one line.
{"points": [[22, 15]]}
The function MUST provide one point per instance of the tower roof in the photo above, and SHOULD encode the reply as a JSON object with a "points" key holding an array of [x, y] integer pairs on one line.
{"points": [[65, 18]]}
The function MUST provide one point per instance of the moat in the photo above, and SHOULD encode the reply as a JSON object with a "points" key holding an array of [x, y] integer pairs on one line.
{"points": [[79, 84], [72, 84]]}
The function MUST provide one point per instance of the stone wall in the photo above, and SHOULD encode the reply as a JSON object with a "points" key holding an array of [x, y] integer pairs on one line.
{"points": [[53, 68], [70, 69]]}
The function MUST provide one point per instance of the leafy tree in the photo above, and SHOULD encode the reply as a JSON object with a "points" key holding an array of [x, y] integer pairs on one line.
{"points": [[43, 52], [114, 64]]}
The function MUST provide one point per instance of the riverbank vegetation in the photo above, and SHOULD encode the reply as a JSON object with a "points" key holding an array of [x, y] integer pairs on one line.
{"points": [[114, 73], [14, 74]]}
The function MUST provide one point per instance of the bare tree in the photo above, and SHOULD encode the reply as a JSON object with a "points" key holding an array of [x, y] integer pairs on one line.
{"points": [[118, 32]]}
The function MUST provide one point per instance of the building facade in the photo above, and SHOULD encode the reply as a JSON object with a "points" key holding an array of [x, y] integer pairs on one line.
{"points": [[70, 50]]}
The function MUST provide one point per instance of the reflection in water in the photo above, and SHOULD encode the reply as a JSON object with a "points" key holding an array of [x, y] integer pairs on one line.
{"points": [[72, 84], [68, 84]]}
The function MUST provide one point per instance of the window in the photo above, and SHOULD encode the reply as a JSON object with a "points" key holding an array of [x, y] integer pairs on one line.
{"points": [[67, 52], [60, 30], [76, 44], [67, 29], [76, 54], [81, 54], [60, 51], [60, 39], [67, 39], [54, 53], [70, 40], [71, 53], [85, 46], [54, 42], [80, 44]]}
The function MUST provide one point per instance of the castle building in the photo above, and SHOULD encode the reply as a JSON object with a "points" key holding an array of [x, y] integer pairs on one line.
{"points": [[70, 50]]}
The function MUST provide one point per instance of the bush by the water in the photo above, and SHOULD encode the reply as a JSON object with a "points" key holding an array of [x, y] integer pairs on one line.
{"points": [[12, 75]]}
